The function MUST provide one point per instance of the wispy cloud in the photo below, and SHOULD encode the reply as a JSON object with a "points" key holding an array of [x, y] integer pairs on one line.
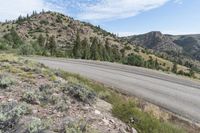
{"points": [[81, 9], [112, 9], [11, 9]]}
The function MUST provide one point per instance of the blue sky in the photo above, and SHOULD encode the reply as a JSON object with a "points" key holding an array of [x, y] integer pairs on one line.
{"points": [[123, 17]]}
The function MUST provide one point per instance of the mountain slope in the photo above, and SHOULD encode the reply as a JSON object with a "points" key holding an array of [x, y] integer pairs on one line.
{"points": [[188, 45], [54, 34]]}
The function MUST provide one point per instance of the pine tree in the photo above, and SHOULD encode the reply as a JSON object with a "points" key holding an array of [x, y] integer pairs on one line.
{"points": [[41, 40], [108, 51], [52, 45], [100, 51], [13, 38], [157, 66], [94, 49], [77, 47], [174, 68], [105, 55], [85, 49]]}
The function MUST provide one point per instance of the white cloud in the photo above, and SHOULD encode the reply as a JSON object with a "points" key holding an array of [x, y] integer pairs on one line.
{"points": [[122, 34], [117, 9], [11, 9], [81, 9]]}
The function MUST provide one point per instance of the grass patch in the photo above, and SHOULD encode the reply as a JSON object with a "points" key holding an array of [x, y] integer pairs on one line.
{"points": [[126, 109]]}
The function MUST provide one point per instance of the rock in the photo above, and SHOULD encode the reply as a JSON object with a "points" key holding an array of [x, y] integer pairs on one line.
{"points": [[35, 111], [97, 112], [133, 130], [106, 122], [2, 97], [122, 130], [10, 100], [112, 121]]}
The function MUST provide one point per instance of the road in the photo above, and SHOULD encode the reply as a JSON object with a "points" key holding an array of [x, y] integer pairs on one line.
{"points": [[174, 93]]}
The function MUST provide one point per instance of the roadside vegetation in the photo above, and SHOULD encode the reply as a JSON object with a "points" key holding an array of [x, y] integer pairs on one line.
{"points": [[88, 49], [126, 108], [35, 98], [98, 45]]}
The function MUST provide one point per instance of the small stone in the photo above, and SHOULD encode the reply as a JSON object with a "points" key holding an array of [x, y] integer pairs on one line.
{"points": [[10, 100], [2, 97], [97, 112], [112, 121], [133, 130], [35, 111], [55, 111], [122, 130], [106, 122]]}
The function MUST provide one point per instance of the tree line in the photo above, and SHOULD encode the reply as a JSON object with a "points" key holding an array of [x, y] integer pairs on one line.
{"points": [[92, 48]]}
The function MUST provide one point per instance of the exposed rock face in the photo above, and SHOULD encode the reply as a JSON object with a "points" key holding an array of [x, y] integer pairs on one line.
{"points": [[157, 41], [183, 45], [64, 29]]}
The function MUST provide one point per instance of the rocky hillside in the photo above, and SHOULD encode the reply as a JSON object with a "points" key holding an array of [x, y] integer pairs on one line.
{"points": [[180, 45], [63, 28], [35, 99], [54, 34]]}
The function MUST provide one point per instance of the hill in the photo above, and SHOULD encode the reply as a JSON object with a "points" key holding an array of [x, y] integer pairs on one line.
{"points": [[54, 34], [188, 45], [183, 49]]}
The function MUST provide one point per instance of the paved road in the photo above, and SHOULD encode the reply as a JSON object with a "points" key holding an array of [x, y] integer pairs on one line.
{"points": [[176, 94]]}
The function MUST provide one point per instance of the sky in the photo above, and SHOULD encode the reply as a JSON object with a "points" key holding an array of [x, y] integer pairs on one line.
{"points": [[122, 17]]}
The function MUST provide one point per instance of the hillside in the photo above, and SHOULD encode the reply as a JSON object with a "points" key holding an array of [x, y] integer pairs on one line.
{"points": [[54, 34], [34, 99], [176, 47], [63, 28]]}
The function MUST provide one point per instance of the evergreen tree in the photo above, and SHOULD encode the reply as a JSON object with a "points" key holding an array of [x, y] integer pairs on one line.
{"points": [[108, 51], [191, 73], [100, 51], [77, 47], [52, 45], [41, 40], [116, 56], [94, 49], [174, 68], [157, 66], [85, 49], [105, 55], [13, 38]]}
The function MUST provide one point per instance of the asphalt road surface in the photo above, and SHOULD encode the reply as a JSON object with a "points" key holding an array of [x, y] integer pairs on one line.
{"points": [[174, 93]]}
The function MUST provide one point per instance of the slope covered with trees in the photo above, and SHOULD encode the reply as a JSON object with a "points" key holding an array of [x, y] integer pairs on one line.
{"points": [[53, 34]]}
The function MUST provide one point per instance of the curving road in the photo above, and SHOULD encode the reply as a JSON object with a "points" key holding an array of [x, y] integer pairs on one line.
{"points": [[176, 94]]}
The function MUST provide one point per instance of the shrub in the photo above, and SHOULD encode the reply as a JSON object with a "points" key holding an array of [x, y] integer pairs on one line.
{"points": [[127, 47], [45, 22], [81, 93], [6, 81], [10, 113], [26, 50], [30, 97], [134, 60], [36, 126], [143, 122], [4, 46]]}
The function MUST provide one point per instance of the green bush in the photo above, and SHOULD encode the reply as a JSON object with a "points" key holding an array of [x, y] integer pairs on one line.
{"points": [[26, 50], [35, 126], [30, 97], [80, 93], [134, 60], [143, 122], [10, 113], [4, 46], [127, 111], [6, 81]]}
